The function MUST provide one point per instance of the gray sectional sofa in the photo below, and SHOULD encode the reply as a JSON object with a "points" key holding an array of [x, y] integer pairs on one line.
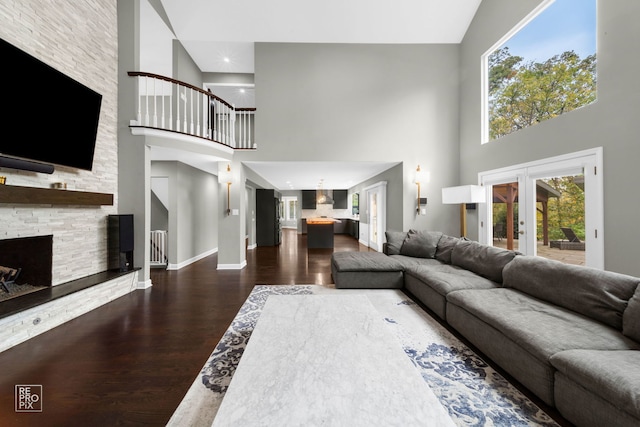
{"points": [[570, 334]]}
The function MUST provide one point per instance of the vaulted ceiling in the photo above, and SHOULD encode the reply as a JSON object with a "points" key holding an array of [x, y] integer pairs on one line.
{"points": [[220, 37]]}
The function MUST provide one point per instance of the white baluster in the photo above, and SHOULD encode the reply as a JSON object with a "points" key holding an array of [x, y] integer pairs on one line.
{"points": [[170, 99], [155, 105], [177, 107], [210, 118], [223, 109], [245, 120], [190, 111], [232, 126], [139, 89], [198, 114], [164, 84], [184, 112], [219, 137], [146, 94]]}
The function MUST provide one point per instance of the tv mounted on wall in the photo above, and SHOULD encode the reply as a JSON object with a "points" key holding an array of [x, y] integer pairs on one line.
{"points": [[54, 117]]}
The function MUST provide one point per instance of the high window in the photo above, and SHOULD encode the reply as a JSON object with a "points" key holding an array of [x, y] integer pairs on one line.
{"points": [[544, 67]]}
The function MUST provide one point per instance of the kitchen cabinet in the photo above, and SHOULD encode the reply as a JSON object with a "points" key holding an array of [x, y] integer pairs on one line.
{"points": [[308, 199], [340, 199], [268, 226], [354, 228], [341, 227]]}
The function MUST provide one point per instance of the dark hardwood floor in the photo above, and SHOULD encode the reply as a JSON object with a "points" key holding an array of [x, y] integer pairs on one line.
{"points": [[131, 361]]}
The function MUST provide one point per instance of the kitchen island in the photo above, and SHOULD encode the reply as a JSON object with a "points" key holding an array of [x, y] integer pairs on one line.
{"points": [[320, 232]]}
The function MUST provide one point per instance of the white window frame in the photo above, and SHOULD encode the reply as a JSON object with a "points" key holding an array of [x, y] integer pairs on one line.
{"points": [[484, 66], [588, 162]]}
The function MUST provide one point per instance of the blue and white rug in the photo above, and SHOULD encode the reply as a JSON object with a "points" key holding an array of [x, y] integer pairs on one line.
{"points": [[473, 393]]}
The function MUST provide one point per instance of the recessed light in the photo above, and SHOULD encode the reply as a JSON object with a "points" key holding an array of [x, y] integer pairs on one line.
{"points": [[226, 59]]}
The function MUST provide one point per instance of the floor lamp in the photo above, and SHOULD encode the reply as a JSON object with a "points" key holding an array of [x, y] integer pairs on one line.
{"points": [[463, 194]]}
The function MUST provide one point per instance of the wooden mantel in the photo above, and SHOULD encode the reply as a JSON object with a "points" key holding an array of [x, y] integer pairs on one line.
{"points": [[14, 194]]}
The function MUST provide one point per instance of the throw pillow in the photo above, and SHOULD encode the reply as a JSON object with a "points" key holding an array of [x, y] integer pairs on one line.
{"points": [[486, 261], [420, 244], [394, 241], [631, 317], [445, 247]]}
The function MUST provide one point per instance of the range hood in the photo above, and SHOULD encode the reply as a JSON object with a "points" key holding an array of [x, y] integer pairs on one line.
{"points": [[324, 197]]}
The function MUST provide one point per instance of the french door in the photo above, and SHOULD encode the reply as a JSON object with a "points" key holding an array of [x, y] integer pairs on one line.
{"points": [[525, 192]]}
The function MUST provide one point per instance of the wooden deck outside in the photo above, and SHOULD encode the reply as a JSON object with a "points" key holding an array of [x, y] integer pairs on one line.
{"points": [[567, 256]]}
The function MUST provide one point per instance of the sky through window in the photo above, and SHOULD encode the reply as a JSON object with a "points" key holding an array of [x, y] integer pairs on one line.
{"points": [[564, 25]]}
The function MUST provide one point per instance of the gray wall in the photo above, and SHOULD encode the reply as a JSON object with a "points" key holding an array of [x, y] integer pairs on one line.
{"points": [[363, 103], [159, 214], [193, 210], [184, 68], [393, 177], [609, 122]]}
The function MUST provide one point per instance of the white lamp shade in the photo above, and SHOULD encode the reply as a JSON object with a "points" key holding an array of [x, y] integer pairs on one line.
{"points": [[422, 177], [225, 176], [463, 194]]}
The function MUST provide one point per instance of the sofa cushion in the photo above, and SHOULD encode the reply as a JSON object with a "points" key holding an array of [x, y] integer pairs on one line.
{"points": [[447, 278], [614, 376], [487, 261], [363, 261], [394, 241], [631, 317], [445, 247], [420, 244], [600, 295], [540, 328], [408, 261]]}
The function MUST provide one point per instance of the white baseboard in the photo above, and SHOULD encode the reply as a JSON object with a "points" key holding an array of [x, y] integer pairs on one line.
{"points": [[144, 284], [191, 260], [240, 266]]}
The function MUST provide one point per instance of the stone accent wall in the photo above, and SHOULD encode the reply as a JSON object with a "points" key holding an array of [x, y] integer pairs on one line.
{"points": [[79, 39], [29, 323]]}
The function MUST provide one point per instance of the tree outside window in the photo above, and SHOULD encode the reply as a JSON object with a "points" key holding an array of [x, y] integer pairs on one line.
{"points": [[543, 83]]}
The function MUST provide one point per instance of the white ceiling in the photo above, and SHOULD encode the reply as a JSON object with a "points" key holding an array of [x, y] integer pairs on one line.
{"points": [[211, 30], [220, 37]]}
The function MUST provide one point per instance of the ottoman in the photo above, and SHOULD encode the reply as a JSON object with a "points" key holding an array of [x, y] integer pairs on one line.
{"points": [[366, 270]]}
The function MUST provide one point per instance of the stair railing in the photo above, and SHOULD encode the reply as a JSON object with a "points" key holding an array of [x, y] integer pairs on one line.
{"points": [[168, 104]]}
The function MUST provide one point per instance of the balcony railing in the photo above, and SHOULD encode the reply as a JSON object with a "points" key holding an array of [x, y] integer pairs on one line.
{"points": [[168, 104]]}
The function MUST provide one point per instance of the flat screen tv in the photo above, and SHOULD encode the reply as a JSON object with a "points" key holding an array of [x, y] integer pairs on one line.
{"points": [[53, 117]]}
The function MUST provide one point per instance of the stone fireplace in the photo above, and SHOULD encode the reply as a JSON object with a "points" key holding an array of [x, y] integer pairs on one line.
{"points": [[33, 257]]}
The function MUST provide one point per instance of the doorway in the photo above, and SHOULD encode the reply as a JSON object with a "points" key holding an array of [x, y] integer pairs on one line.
{"points": [[550, 208], [376, 214]]}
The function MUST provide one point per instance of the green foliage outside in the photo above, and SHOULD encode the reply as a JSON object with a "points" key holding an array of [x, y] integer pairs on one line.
{"points": [[522, 94], [564, 211]]}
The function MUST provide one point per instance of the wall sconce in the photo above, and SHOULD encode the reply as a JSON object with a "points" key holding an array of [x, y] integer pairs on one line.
{"points": [[226, 177], [422, 177], [463, 194]]}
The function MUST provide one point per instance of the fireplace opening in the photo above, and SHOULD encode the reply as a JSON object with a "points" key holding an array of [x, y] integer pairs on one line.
{"points": [[25, 265]]}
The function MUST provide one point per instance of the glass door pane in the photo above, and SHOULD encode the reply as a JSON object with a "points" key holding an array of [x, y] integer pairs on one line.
{"points": [[560, 211]]}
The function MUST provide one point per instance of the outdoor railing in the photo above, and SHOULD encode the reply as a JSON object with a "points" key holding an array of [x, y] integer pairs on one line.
{"points": [[171, 105]]}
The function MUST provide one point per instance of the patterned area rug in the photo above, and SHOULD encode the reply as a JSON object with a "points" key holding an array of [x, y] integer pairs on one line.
{"points": [[473, 393]]}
